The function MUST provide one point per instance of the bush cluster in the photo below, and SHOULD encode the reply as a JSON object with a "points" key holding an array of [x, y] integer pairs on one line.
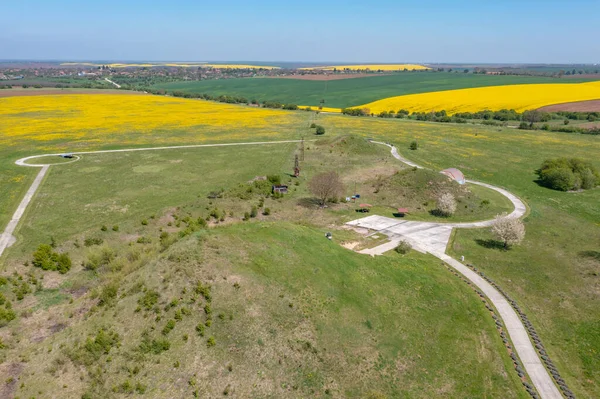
{"points": [[45, 258], [566, 174]]}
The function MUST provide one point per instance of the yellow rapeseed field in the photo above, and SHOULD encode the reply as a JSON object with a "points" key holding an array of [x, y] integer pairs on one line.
{"points": [[316, 108], [517, 97], [92, 115], [373, 67]]}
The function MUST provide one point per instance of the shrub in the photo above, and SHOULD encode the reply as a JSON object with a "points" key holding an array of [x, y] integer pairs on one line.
{"points": [[95, 347], [99, 259], [144, 222], [523, 125], [414, 145], [45, 258], [446, 204], [274, 179], [104, 228], [211, 342], [115, 227], [149, 299], [267, 211], [246, 216], [253, 212], [568, 174], [156, 346], [6, 314], [168, 327], [203, 290], [403, 247], [108, 294], [200, 329], [313, 125], [320, 130], [90, 241]]}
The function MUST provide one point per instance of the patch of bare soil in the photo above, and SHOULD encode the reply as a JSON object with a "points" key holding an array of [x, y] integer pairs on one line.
{"points": [[51, 92], [579, 106], [9, 373], [328, 77], [350, 244]]}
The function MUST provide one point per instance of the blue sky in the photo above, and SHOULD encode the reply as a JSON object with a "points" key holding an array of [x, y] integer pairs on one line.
{"points": [[501, 31]]}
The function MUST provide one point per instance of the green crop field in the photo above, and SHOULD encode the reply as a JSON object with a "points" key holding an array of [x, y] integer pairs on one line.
{"points": [[291, 314], [349, 92]]}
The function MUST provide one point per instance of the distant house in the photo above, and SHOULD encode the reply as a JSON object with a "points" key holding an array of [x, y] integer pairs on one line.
{"points": [[280, 189]]}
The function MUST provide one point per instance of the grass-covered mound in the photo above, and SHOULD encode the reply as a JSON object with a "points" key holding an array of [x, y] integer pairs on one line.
{"points": [[419, 190], [240, 310]]}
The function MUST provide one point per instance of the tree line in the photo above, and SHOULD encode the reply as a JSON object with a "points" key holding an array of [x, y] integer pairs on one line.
{"points": [[529, 119]]}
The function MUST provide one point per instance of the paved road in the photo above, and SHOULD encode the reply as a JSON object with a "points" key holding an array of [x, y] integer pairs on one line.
{"points": [[110, 81], [7, 238], [429, 237]]}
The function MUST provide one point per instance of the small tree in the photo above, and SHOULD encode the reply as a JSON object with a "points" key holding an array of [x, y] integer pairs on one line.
{"points": [[320, 130], [326, 186], [510, 231], [414, 145], [446, 204], [403, 247]]}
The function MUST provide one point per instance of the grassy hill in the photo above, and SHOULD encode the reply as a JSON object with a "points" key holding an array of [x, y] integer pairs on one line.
{"points": [[301, 316], [290, 313], [348, 92]]}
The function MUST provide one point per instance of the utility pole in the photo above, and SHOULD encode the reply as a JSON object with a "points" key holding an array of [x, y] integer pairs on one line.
{"points": [[296, 167]]}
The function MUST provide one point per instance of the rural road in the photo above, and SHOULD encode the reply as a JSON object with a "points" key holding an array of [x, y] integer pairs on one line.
{"points": [[433, 238], [118, 86], [7, 238]]}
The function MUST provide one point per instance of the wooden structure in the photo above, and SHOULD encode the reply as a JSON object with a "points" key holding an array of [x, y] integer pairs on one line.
{"points": [[401, 212], [280, 189], [364, 208]]}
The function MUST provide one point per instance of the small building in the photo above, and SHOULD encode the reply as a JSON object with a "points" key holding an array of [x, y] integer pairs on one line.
{"points": [[454, 174], [280, 189]]}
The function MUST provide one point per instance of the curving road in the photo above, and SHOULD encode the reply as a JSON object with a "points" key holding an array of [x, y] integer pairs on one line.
{"points": [[429, 237], [7, 238]]}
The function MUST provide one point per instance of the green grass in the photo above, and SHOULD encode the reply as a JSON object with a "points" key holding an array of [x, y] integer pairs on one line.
{"points": [[304, 318], [349, 92], [553, 275], [125, 188], [548, 276]]}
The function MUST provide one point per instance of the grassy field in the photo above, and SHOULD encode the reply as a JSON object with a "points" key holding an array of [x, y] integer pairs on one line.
{"points": [[57, 124], [553, 275], [348, 92], [322, 321]]}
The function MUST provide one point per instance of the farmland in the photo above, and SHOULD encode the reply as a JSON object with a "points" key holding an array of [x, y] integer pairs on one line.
{"points": [[517, 97], [349, 92], [372, 67], [285, 320], [322, 318]]}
